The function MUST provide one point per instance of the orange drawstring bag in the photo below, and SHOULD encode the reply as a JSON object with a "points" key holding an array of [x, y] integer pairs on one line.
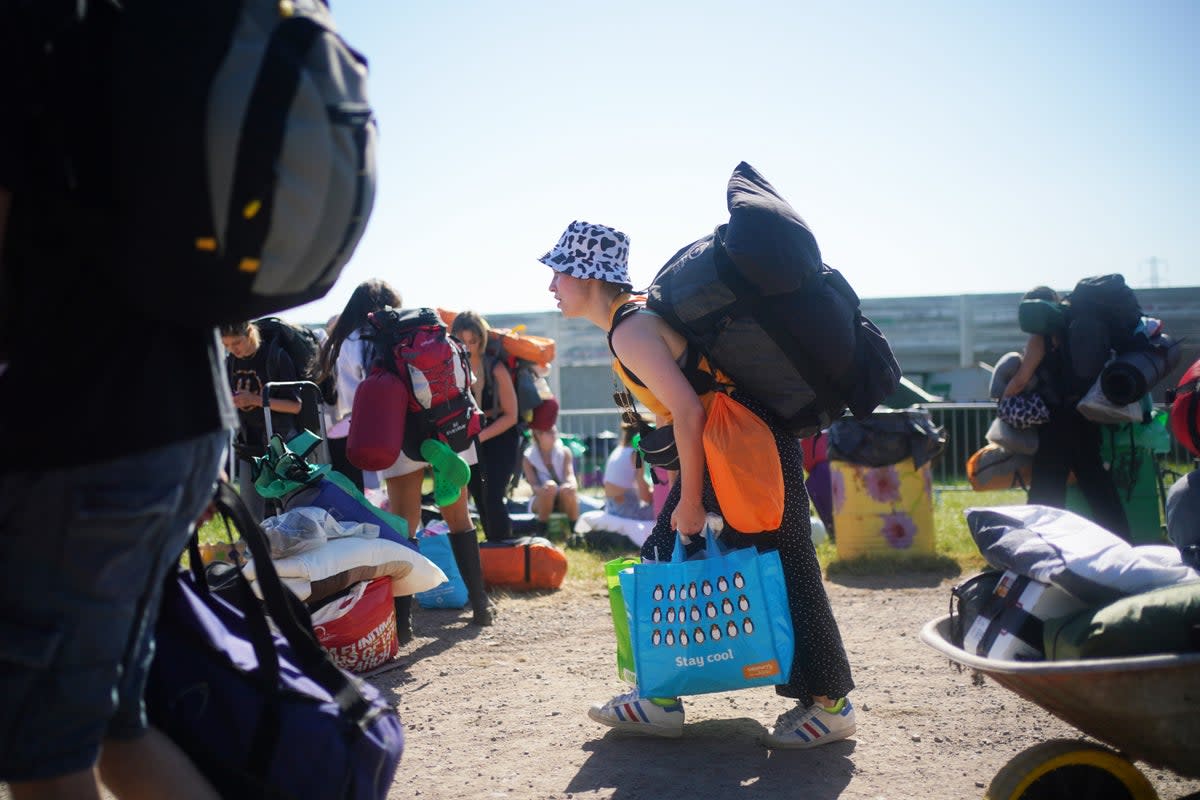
{"points": [[743, 463]]}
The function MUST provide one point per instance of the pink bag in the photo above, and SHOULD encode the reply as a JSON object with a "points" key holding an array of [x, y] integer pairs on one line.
{"points": [[377, 421]]}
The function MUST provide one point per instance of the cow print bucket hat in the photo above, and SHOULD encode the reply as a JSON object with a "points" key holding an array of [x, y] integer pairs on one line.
{"points": [[591, 251]]}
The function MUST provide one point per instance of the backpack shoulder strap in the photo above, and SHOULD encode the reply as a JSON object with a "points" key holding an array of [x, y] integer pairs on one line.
{"points": [[695, 368], [624, 308]]}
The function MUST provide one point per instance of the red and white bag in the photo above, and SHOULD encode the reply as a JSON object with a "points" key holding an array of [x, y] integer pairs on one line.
{"points": [[359, 628]]}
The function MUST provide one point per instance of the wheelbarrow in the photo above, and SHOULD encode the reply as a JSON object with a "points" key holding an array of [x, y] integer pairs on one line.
{"points": [[1146, 707]]}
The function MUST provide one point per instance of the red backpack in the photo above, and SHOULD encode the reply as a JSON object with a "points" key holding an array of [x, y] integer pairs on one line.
{"points": [[435, 368]]}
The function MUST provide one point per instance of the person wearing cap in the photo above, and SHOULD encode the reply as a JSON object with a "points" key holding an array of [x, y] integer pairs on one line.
{"points": [[549, 469], [591, 281]]}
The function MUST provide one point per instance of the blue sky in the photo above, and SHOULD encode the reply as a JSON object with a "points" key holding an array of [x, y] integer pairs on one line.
{"points": [[933, 147]]}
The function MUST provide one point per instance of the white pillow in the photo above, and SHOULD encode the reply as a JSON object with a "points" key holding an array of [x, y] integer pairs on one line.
{"points": [[339, 555]]}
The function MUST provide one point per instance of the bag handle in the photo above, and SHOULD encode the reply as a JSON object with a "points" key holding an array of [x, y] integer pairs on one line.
{"points": [[712, 546]]}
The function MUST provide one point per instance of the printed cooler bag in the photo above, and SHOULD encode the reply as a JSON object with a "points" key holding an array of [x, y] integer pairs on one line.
{"points": [[712, 624]]}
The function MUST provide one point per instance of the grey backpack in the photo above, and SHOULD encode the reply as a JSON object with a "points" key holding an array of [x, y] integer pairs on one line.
{"points": [[231, 167]]}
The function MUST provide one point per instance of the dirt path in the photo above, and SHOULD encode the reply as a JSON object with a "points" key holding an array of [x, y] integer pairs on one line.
{"points": [[500, 712]]}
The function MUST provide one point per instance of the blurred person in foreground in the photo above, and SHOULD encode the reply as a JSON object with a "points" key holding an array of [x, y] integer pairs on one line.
{"points": [[114, 427]]}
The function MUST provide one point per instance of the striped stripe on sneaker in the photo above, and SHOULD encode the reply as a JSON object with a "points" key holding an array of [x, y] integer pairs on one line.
{"points": [[631, 712], [809, 727]]}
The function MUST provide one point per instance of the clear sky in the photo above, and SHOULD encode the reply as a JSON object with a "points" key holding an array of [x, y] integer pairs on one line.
{"points": [[934, 147]]}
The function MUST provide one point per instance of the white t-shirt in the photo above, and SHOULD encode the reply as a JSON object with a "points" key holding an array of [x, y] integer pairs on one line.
{"points": [[619, 470], [351, 371], [558, 458]]}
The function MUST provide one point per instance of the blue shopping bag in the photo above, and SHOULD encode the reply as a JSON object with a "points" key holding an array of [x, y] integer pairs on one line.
{"points": [[453, 592], [712, 624]]}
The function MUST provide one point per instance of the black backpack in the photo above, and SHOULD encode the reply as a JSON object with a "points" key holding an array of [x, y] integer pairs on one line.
{"points": [[302, 347], [226, 158], [1102, 315], [756, 299]]}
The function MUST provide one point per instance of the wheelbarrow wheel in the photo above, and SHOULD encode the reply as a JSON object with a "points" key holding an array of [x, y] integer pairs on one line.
{"points": [[1063, 768]]}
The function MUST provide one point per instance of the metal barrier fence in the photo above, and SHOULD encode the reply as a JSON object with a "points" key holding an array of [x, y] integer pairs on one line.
{"points": [[966, 426]]}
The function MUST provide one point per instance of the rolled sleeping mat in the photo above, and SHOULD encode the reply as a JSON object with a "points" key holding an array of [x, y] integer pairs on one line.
{"points": [[1130, 375]]}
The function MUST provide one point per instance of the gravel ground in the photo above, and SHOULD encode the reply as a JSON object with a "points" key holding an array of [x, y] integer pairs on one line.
{"points": [[501, 712]]}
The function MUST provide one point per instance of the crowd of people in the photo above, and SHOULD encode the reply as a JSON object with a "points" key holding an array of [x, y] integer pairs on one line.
{"points": [[105, 479]]}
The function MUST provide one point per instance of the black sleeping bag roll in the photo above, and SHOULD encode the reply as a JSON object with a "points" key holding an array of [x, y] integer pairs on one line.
{"points": [[1128, 377]]}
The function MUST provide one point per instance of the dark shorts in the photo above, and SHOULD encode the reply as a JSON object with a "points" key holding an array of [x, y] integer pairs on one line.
{"points": [[83, 555]]}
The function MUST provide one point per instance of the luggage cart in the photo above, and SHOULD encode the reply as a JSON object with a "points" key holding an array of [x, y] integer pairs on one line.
{"points": [[1146, 707]]}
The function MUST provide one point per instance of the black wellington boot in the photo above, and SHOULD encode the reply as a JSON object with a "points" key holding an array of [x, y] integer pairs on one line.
{"points": [[466, 552], [404, 630]]}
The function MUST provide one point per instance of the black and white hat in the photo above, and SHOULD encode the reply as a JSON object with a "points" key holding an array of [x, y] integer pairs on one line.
{"points": [[591, 251]]}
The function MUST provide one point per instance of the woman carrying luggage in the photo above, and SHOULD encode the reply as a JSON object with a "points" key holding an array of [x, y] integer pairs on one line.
{"points": [[499, 440], [591, 281], [348, 354]]}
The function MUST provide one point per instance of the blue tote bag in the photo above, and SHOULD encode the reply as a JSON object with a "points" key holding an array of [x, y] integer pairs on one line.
{"points": [[716, 623], [453, 592]]}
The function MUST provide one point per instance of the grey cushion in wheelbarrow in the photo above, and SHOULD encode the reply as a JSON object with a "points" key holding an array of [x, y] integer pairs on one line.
{"points": [[1073, 553]]}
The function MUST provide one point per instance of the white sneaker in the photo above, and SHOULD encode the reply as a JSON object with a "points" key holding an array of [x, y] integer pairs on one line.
{"points": [[632, 712], [810, 727]]}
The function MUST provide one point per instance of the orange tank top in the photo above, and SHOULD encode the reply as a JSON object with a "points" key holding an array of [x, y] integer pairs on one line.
{"points": [[701, 373]]}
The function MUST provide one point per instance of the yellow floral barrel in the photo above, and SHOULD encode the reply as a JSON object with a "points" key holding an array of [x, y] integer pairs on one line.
{"points": [[882, 510]]}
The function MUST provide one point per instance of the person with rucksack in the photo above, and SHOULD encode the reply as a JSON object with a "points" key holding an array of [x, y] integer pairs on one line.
{"points": [[1068, 442], [356, 349], [591, 281], [345, 358], [251, 364], [108, 468], [500, 439]]}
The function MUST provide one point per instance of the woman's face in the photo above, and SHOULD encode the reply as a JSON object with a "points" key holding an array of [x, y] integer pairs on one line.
{"points": [[240, 346], [570, 292], [473, 341]]}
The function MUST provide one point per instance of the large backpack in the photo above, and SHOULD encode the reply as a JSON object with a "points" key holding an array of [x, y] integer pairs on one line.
{"points": [[526, 358], [528, 376], [756, 299], [302, 347], [415, 344], [248, 185], [1102, 315]]}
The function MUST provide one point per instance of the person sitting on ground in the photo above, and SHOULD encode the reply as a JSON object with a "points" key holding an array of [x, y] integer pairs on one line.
{"points": [[626, 491], [549, 469]]}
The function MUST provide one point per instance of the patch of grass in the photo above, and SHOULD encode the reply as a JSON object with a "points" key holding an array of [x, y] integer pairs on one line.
{"points": [[955, 552], [588, 565]]}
